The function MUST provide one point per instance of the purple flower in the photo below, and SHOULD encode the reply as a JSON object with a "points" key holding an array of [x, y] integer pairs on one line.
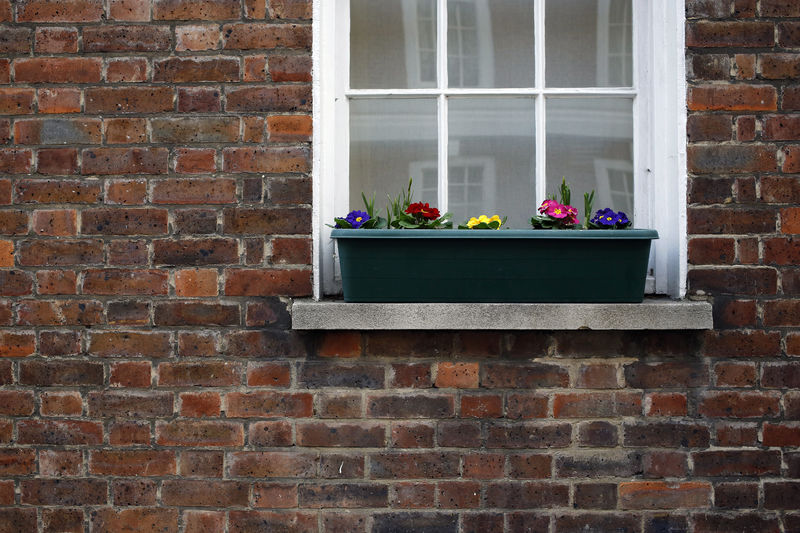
{"points": [[356, 218], [605, 217], [622, 219]]}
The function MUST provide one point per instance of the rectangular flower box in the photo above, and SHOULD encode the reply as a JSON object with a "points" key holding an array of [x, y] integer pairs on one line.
{"points": [[586, 266]]}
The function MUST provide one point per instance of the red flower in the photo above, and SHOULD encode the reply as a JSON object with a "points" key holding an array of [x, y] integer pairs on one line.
{"points": [[424, 210]]}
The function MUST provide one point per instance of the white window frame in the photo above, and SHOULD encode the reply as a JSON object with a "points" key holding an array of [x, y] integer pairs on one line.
{"points": [[659, 115]]}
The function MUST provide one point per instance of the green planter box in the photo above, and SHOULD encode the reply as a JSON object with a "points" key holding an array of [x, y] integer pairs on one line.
{"points": [[493, 265]]}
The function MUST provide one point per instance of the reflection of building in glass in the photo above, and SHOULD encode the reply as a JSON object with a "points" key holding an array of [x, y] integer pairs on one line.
{"points": [[491, 139]]}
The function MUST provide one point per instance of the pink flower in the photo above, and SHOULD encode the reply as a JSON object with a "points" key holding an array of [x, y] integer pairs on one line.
{"points": [[546, 205], [556, 210]]}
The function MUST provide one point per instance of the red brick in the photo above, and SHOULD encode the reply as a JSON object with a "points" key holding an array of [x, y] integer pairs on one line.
{"points": [[782, 251], [779, 8], [16, 161], [483, 406], [270, 221], [16, 101], [59, 432], [289, 128], [58, 100], [108, 161], [709, 128], [56, 463], [56, 41], [194, 191], [194, 38], [253, 129], [129, 433], [745, 128], [126, 70], [750, 281], [139, 519], [712, 251], [58, 161], [58, 70], [125, 282], [196, 69], [200, 404], [205, 374], [458, 375], [196, 282], [283, 98], [17, 344], [127, 252], [660, 495], [271, 434], [197, 433], [250, 36], [126, 192], [269, 160], [59, 342], [195, 161], [129, 10], [130, 344], [125, 130], [739, 404], [203, 521], [61, 404], [15, 283], [195, 9], [69, 372], [116, 100], [196, 314], [340, 344], [67, 11], [128, 38], [58, 191], [291, 251], [666, 404], [781, 435], [131, 374], [269, 404], [730, 34], [735, 374], [62, 222], [290, 9], [199, 99], [745, 66], [268, 283], [290, 68], [255, 68], [13, 222], [272, 464], [132, 462]]}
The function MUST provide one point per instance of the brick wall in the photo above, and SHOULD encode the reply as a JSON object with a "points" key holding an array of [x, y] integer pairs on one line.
{"points": [[155, 221]]}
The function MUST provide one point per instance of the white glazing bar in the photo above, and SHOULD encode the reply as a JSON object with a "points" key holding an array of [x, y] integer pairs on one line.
{"points": [[540, 136], [441, 64], [410, 93]]}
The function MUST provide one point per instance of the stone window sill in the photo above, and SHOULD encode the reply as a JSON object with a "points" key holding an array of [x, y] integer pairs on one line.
{"points": [[652, 314]]}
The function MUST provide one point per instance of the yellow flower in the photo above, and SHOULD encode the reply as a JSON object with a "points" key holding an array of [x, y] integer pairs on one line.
{"points": [[473, 222]]}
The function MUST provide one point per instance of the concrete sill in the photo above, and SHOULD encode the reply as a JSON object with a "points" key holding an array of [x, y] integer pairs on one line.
{"points": [[652, 314]]}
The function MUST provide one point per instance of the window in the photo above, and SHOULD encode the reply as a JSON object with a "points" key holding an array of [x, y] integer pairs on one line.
{"points": [[487, 104]]}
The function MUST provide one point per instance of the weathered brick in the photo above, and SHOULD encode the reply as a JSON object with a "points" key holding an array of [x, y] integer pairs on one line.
{"points": [[195, 9], [196, 69], [142, 519], [60, 372], [247, 521], [130, 344], [205, 374], [661, 495], [269, 404], [197, 433], [739, 404], [58, 100], [130, 404], [707, 34], [250, 36], [410, 406], [132, 462], [108, 161], [286, 221], [59, 432], [284, 98], [58, 70], [118, 100], [128, 38]]}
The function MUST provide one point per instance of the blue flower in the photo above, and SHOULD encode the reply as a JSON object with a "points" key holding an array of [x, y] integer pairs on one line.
{"points": [[622, 219], [356, 218], [606, 217]]}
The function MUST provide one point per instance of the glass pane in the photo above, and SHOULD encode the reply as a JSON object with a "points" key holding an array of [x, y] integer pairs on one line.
{"points": [[588, 43], [392, 139], [392, 44], [590, 143], [490, 43], [491, 159]]}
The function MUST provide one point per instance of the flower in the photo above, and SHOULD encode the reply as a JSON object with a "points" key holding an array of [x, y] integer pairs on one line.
{"points": [[423, 210], [483, 222], [357, 218], [547, 204]]}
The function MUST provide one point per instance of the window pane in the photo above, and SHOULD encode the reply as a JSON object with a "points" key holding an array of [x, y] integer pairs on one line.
{"points": [[392, 44], [588, 43], [390, 141], [491, 158], [590, 143], [490, 43]]}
